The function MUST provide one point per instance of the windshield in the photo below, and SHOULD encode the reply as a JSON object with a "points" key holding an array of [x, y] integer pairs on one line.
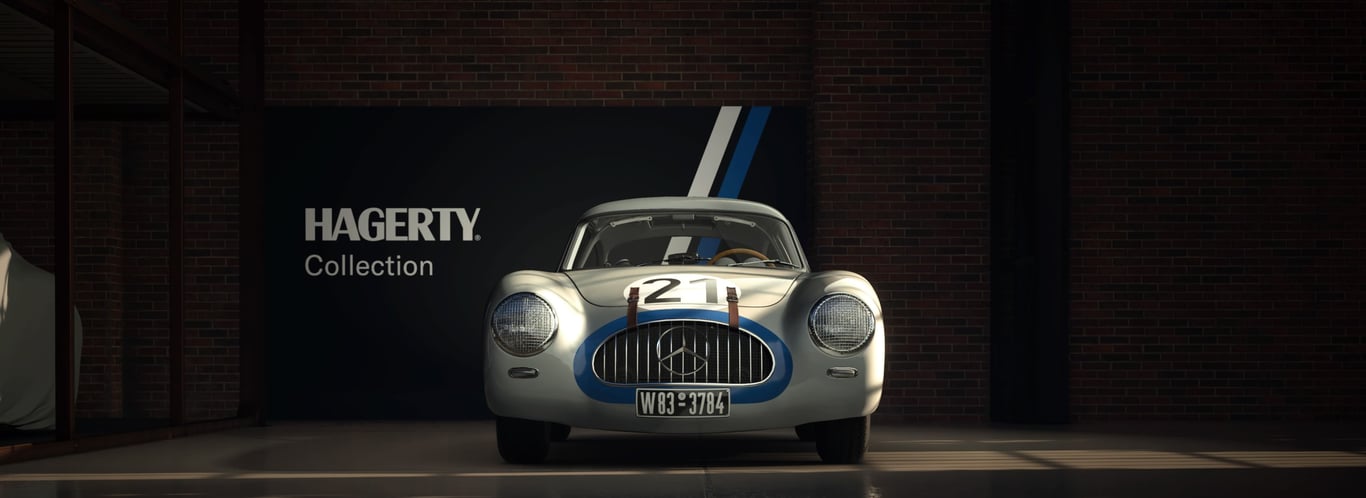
{"points": [[677, 238]]}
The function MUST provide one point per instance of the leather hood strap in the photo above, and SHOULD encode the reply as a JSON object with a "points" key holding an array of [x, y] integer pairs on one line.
{"points": [[733, 305], [631, 301]]}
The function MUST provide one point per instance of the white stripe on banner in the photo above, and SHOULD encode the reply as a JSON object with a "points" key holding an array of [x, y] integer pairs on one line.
{"points": [[709, 165], [715, 151]]}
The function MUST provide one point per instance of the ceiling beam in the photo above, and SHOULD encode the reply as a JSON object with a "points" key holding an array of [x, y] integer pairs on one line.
{"points": [[121, 42]]}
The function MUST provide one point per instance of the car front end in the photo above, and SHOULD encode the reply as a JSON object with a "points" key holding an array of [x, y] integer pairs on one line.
{"points": [[687, 347]]}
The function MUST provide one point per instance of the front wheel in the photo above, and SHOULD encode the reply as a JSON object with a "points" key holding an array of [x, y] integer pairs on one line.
{"points": [[842, 441], [523, 441]]}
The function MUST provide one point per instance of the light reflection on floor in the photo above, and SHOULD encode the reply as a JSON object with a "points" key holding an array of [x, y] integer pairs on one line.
{"points": [[880, 461], [459, 460]]}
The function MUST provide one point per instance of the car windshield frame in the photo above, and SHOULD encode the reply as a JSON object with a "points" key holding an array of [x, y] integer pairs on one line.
{"points": [[653, 226]]}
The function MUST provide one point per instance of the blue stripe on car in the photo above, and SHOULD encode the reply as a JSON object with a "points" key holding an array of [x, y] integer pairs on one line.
{"points": [[595, 388]]}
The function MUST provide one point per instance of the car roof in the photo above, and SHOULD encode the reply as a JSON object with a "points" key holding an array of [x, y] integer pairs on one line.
{"points": [[682, 204]]}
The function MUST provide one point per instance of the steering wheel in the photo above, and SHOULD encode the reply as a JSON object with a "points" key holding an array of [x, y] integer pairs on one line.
{"points": [[738, 250]]}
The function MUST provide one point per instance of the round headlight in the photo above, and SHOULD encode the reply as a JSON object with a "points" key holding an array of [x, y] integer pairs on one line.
{"points": [[523, 324], [841, 323]]}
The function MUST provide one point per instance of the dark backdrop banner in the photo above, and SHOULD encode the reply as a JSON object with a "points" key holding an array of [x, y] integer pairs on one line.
{"points": [[388, 228]]}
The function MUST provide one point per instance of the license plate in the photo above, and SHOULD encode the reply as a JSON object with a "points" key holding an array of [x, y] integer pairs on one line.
{"points": [[682, 403]]}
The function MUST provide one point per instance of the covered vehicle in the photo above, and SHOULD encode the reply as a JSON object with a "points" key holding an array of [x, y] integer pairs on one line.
{"points": [[28, 344], [683, 315]]}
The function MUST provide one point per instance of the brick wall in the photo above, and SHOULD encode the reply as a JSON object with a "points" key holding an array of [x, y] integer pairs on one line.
{"points": [[210, 28], [211, 270], [210, 297], [146, 298], [99, 263], [900, 188], [210, 286], [1218, 216], [537, 53]]}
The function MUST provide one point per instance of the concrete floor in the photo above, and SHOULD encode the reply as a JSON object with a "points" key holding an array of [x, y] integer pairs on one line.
{"points": [[458, 459]]}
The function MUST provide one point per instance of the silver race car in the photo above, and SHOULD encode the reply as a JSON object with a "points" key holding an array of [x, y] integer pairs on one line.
{"points": [[683, 315]]}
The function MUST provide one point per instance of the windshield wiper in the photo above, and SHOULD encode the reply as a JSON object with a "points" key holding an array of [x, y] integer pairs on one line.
{"points": [[624, 221], [737, 221], [765, 262]]}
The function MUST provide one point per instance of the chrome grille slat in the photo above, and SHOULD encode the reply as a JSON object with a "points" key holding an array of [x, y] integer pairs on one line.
{"points": [[731, 357]]}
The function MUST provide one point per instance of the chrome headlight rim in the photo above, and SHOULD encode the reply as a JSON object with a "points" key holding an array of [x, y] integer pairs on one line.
{"points": [[511, 349], [816, 336]]}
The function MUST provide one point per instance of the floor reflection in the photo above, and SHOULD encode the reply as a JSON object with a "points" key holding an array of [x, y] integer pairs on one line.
{"points": [[458, 461], [876, 462]]}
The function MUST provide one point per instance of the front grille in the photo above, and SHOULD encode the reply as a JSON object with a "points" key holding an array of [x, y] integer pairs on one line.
{"points": [[683, 351]]}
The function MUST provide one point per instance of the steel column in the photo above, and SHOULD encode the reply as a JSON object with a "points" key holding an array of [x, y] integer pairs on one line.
{"points": [[251, 125], [175, 161], [63, 207]]}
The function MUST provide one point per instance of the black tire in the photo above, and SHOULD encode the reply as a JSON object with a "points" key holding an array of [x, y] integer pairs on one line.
{"points": [[523, 441], [842, 441], [558, 432], [807, 432]]}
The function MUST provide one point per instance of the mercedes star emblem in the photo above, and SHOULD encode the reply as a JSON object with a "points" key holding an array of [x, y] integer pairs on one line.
{"points": [[680, 352]]}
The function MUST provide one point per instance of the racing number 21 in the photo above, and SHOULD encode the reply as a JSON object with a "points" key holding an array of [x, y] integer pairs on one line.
{"points": [[660, 294]]}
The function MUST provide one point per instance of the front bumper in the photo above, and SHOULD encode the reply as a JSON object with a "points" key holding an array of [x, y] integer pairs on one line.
{"points": [[807, 394]]}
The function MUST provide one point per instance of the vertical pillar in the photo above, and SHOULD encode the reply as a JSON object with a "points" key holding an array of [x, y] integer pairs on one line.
{"points": [[63, 204], [251, 201], [1052, 209], [175, 160], [1030, 199]]}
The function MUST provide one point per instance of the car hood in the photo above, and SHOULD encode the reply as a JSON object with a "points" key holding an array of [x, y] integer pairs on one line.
{"points": [[758, 287]]}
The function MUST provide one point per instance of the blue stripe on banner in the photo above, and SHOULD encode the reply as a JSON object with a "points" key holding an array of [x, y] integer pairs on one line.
{"points": [[739, 167], [744, 152]]}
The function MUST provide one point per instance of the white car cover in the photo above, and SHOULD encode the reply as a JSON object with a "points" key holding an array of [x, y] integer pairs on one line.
{"points": [[28, 384]]}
